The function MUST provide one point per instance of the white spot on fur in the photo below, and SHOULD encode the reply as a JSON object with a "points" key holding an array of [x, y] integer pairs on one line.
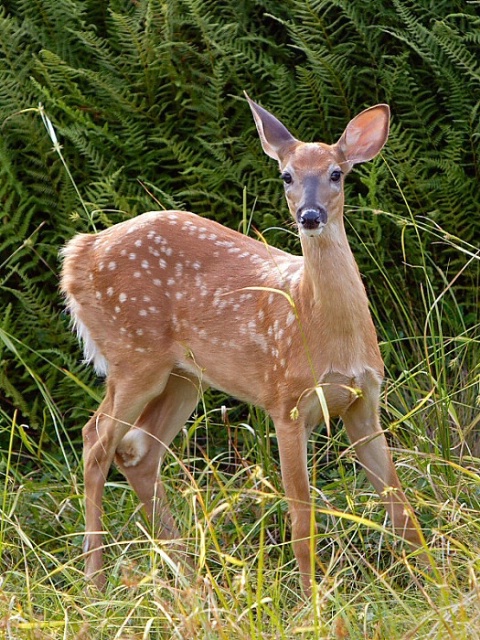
{"points": [[122, 297], [290, 318], [260, 339]]}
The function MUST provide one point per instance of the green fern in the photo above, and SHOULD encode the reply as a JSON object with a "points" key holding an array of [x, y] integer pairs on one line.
{"points": [[146, 100]]}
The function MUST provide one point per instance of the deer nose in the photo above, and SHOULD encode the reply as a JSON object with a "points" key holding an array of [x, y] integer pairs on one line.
{"points": [[312, 217]]}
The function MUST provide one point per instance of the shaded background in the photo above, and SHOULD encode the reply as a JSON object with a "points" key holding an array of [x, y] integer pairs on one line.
{"points": [[146, 99]]}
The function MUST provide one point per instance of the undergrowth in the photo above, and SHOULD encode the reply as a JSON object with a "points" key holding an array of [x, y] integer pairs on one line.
{"points": [[146, 98]]}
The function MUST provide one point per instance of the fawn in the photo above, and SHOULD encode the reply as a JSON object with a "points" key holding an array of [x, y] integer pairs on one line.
{"points": [[168, 304]]}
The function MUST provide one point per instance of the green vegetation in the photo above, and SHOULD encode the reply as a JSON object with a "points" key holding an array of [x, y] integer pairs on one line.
{"points": [[145, 99]]}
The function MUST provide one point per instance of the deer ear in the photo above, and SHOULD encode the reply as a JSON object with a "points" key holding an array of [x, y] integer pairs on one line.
{"points": [[274, 136], [366, 134]]}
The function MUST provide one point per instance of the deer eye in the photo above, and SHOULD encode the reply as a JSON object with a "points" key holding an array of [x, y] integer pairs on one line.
{"points": [[335, 175], [287, 177]]}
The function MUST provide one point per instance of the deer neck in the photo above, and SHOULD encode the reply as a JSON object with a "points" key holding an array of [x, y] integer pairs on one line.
{"points": [[331, 277], [335, 305]]}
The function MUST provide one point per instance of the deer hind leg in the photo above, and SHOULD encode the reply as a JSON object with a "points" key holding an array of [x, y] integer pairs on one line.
{"points": [[140, 453], [123, 404], [363, 427]]}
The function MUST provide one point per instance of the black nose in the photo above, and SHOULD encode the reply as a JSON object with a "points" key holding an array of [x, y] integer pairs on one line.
{"points": [[312, 218]]}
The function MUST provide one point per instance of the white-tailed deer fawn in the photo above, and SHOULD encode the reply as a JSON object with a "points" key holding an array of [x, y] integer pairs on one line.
{"points": [[168, 304]]}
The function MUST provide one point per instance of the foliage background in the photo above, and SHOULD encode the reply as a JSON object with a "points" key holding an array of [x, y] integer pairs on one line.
{"points": [[146, 99]]}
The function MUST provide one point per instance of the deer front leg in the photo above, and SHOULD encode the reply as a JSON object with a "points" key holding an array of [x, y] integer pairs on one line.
{"points": [[363, 428], [292, 443]]}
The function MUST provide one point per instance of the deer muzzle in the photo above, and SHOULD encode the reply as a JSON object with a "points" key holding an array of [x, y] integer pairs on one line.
{"points": [[312, 218]]}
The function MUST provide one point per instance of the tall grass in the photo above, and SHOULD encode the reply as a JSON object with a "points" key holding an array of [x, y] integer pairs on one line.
{"points": [[224, 484]]}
